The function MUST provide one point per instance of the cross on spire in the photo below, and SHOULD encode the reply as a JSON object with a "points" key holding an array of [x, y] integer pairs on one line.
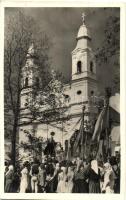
{"points": [[83, 17]]}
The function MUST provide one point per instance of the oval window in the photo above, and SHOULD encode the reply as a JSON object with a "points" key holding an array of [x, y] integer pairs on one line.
{"points": [[92, 92], [25, 104], [79, 92]]}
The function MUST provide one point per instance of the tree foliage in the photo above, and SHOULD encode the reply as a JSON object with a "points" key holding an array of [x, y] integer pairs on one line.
{"points": [[20, 32], [46, 102], [109, 52], [31, 148]]}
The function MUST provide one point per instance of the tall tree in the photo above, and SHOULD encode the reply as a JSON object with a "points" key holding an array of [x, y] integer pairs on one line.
{"points": [[20, 32], [109, 52]]}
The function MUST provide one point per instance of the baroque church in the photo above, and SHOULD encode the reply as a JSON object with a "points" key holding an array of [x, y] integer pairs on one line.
{"points": [[82, 87]]}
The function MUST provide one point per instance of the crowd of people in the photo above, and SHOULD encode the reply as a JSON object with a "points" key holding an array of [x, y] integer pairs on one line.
{"points": [[52, 176]]}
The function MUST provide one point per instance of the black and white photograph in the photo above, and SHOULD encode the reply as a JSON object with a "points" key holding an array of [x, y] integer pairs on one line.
{"points": [[62, 100]]}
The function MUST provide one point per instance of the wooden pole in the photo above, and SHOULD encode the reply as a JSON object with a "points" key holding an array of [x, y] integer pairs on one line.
{"points": [[85, 144], [62, 133], [47, 130], [82, 140], [108, 95]]}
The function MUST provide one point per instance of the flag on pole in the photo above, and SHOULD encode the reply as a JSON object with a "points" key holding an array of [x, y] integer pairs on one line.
{"points": [[76, 144], [73, 139], [68, 151], [114, 107], [101, 124]]}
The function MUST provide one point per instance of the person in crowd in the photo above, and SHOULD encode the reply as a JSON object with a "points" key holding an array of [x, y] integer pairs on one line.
{"points": [[5, 167], [78, 161], [86, 164], [61, 187], [16, 179], [93, 175], [24, 178], [79, 179], [9, 179], [55, 176], [34, 176], [116, 169], [42, 177], [49, 167], [49, 183], [29, 177], [101, 167], [108, 185], [73, 161], [49, 172], [70, 176]]}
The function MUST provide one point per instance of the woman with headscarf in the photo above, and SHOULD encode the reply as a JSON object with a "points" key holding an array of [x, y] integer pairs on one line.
{"points": [[42, 177], [94, 177], [108, 185], [70, 176], [61, 187], [55, 177], [24, 179], [79, 179], [9, 179], [49, 176]]}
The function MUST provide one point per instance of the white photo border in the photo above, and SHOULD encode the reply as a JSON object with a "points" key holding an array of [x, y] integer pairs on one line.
{"points": [[68, 3]]}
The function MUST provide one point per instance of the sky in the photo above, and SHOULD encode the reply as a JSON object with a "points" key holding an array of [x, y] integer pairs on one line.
{"points": [[62, 25]]}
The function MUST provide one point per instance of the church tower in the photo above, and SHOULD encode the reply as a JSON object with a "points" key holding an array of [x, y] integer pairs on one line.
{"points": [[30, 79], [84, 82], [83, 61]]}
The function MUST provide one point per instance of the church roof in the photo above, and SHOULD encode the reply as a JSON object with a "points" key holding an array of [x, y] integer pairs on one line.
{"points": [[83, 32]]}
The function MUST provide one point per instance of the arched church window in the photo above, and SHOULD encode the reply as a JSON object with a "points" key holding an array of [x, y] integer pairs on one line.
{"points": [[91, 66], [79, 66], [37, 82], [26, 82]]}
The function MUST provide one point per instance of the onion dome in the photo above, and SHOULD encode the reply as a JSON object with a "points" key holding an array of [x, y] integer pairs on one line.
{"points": [[83, 31]]}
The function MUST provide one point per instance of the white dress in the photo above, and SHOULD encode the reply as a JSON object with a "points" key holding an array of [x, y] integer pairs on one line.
{"points": [[61, 188], [70, 182], [24, 180], [109, 181]]}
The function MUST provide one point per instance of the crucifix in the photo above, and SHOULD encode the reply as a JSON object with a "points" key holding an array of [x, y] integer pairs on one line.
{"points": [[83, 17]]}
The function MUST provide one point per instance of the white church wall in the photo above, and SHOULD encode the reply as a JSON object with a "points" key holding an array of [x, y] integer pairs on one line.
{"points": [[76, 87]]}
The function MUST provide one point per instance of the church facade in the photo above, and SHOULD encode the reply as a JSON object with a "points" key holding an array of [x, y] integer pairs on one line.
{"points": [[78, 93]]}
